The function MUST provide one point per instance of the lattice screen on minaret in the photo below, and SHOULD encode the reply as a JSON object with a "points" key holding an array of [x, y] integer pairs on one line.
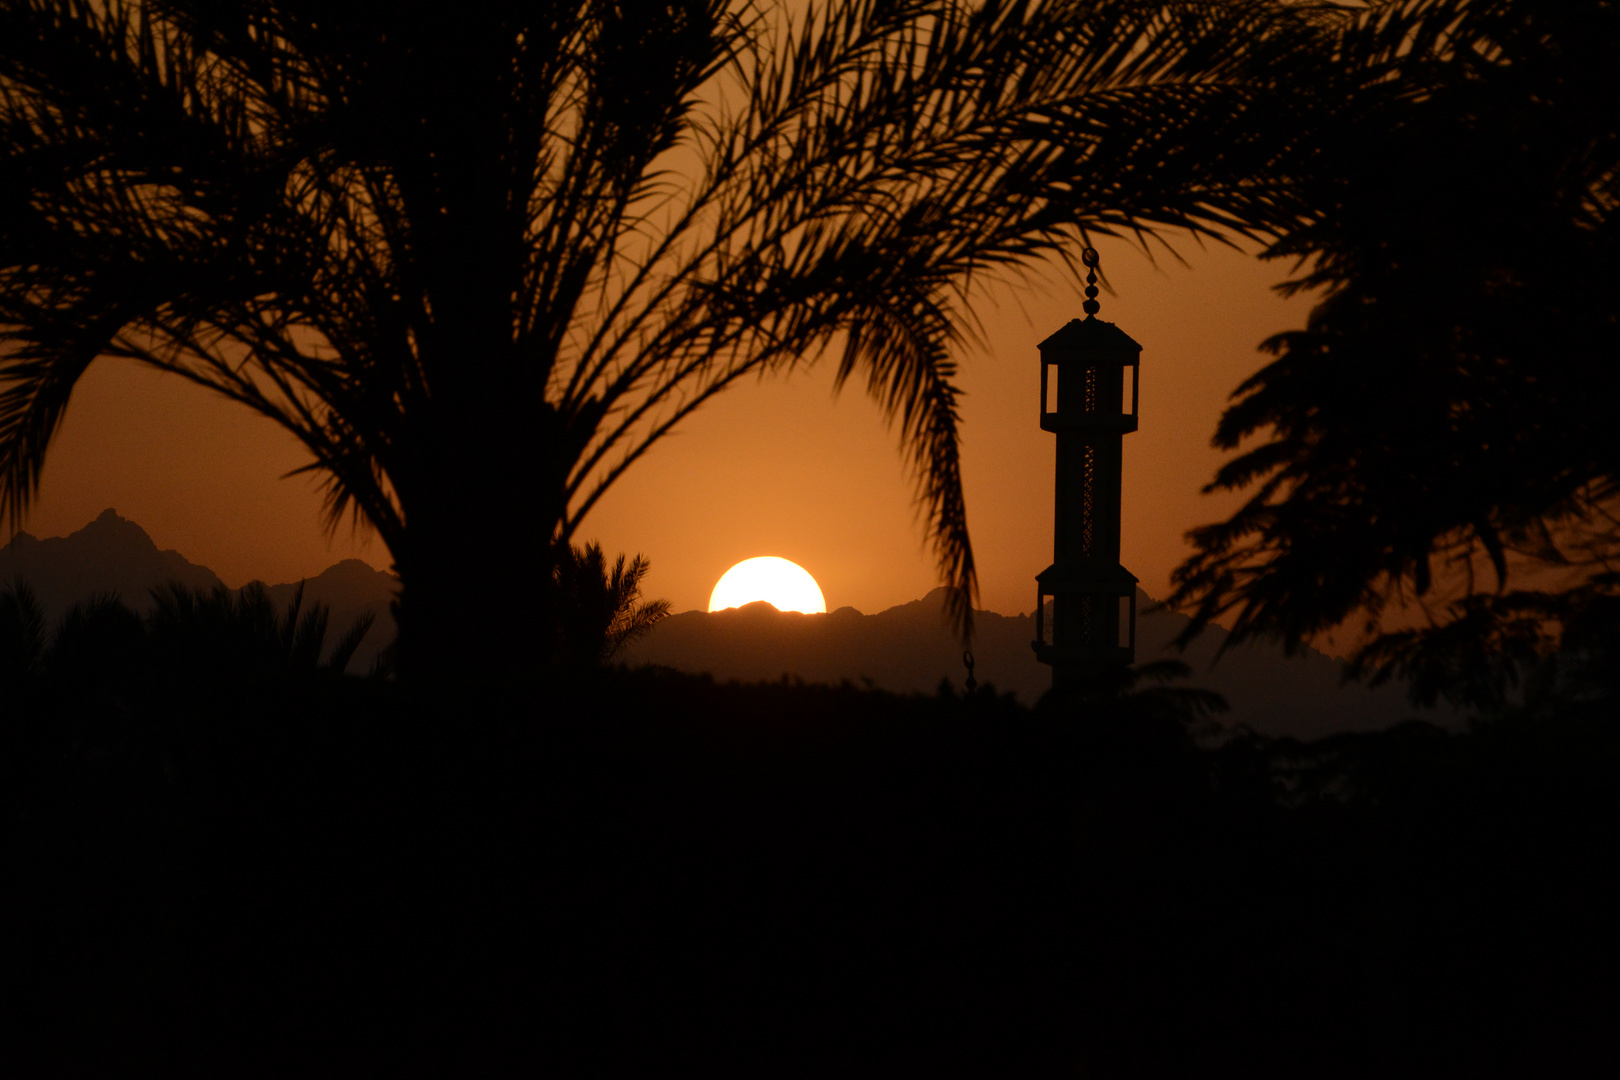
{"points": [[1088, 499]]}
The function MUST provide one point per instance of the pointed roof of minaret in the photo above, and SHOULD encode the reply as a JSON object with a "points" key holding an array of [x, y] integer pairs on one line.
{"points": [[1091, 334]]}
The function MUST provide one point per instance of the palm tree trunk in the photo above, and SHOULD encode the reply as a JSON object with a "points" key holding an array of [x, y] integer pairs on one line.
{"points": [[476, 603]]}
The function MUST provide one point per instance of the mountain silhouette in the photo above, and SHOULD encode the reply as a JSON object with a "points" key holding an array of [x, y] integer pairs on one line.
{"points": [[110, 555], [910, 648], [114, 555]]}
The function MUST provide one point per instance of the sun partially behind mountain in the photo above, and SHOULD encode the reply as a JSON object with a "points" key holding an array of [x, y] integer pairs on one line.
{"points": [[783, 584]]}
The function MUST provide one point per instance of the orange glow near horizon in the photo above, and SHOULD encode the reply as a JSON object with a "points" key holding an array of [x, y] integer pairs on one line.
{"points": [[783, 584], [774, 465]]}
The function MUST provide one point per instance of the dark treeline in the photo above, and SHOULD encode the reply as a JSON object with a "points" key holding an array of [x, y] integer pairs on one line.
{"points": [[219, 861]]}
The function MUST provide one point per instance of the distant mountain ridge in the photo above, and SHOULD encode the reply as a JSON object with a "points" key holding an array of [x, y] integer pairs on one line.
{"points": [[110, 555], [114, 555], [910, 648]]}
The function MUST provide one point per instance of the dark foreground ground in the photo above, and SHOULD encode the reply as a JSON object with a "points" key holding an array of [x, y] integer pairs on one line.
{"points": [[646, 873]]}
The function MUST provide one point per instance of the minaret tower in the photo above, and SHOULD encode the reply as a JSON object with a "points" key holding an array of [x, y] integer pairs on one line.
{"points": [[1089, 395]]}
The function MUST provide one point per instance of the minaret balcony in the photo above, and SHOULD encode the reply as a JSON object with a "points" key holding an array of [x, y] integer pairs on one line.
{"points": [[1090, 423]]}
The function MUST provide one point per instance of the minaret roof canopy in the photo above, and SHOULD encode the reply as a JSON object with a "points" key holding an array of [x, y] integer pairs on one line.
{"points": [[1104, 581], [1090, 334]]}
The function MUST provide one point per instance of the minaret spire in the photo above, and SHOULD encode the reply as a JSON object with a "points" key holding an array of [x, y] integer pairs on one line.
{"points": [[1093, 621]]}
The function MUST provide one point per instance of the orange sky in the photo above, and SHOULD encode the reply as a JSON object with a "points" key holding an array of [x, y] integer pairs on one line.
{"points": [[774, 468]]}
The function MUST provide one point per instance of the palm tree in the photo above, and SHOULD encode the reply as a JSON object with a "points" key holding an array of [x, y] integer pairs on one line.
{"points": [[1434, 426], [479, 264], [600, 609]]}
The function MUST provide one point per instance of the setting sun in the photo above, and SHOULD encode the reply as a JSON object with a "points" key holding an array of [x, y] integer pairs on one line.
{"points": [[784, 585]]}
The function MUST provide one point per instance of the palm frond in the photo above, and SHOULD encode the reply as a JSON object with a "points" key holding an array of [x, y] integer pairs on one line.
{"points": [[22, 631], [349, 643]]}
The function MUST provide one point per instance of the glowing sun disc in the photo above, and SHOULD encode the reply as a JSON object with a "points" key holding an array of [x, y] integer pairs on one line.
{"points": [[784, 585]]}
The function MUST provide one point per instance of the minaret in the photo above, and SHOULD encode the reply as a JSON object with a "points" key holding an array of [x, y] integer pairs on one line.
{"points": [[1090, 404]]}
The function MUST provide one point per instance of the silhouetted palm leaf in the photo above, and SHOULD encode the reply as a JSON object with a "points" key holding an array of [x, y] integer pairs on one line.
{"points": [[600, 609], [633, 618], [244, 630], [22, 633], [349, 643]]}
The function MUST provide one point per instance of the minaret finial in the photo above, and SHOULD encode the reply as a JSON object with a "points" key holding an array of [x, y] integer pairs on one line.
{"points": [[1089, 257]]}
